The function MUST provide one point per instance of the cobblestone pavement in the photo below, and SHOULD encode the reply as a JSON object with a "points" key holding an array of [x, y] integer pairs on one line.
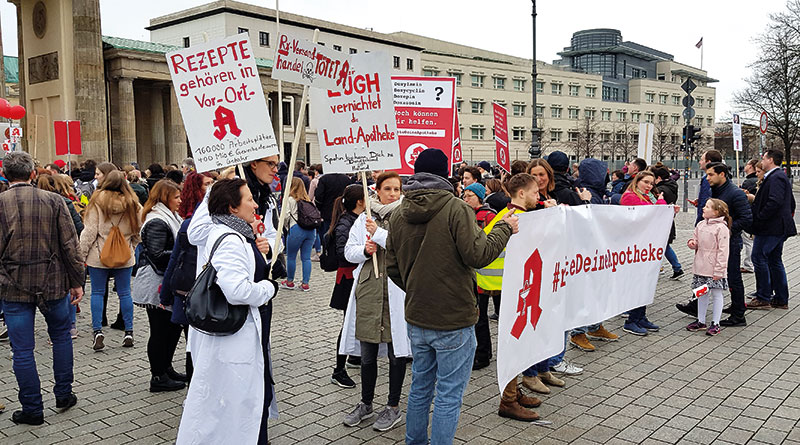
{"points": [[670, 387]]}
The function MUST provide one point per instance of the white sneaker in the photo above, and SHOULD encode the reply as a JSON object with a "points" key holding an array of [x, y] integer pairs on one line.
{"points": [[567, 368]]}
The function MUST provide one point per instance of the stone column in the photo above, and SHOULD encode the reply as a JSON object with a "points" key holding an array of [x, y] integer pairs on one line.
{"points": [[158, 140], [127, 123], [301, 127], [177, 134], [90, 88]]}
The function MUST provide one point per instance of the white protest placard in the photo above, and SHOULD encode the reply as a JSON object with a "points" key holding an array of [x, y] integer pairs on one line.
{"points": [[307, 63], [551, 286], [222, 102], [737, 133], [645, 150], [357, 128]]}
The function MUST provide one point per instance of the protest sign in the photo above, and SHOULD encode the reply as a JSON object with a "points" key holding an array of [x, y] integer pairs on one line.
{"points": [[458, 152], [67, 137], [737, 133], [425, 111], [307, 63], [356, 127], [550, 285], [502, 152], [645, 149], [222, 102]]}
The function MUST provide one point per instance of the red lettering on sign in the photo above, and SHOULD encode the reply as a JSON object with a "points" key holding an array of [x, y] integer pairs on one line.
{"points": [[529, 295], [225, 118]]}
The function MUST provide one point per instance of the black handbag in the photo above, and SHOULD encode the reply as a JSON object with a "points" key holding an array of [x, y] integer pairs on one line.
{"points": [[207, 309]]}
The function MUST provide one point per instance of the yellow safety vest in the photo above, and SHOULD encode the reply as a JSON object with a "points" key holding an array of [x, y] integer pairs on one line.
{"points": [[491, 276]]}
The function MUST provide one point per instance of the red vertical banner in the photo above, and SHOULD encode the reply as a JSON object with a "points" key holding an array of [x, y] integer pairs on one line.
{"points": [[502, 152], [74, 137], [425, 112], [61, 138], [458, 154]]}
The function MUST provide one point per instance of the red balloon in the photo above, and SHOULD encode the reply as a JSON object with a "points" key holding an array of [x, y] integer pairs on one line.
{"points": [[16, 112], [5, 107]]}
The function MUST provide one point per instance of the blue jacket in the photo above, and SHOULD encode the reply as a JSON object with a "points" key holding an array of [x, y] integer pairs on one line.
{"points": [[618, 188], [738, 207], [592, 176], [168, 297], [774, 206], [702, 197]]}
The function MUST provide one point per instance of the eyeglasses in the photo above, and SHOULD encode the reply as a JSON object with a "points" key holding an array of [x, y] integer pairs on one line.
{"points": [[272, 165]]}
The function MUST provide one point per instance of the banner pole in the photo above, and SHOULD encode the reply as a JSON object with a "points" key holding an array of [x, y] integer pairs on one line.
{"points": [[738, 178], [280, 83], [290, 173], [369, 214]]}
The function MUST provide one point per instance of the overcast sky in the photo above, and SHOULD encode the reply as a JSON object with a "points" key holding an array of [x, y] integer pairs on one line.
{"points": [[674, 27]]}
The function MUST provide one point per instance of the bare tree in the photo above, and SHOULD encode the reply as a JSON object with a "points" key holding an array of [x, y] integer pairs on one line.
{"points": [[588, 139], [774, 85], [624, 146], [662, 139]]}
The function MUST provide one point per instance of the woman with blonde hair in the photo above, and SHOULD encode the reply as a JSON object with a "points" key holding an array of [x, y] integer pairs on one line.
{"points": [[160, 224], [298, 238], [113, 212]]}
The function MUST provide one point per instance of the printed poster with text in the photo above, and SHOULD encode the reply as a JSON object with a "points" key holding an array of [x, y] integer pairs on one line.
{"points": [[425, 110], [356, 127], [222, 102], [502, 152]]}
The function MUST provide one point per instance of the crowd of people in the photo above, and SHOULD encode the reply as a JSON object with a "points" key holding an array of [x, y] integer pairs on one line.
{"points": [[146, 235]]}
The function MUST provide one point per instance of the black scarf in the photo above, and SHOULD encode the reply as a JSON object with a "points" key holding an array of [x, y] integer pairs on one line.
{"points": [[238, 224]]}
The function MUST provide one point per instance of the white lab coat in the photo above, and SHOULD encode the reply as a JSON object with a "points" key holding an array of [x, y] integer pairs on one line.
{"points": [[226, 398], [354, 253]]}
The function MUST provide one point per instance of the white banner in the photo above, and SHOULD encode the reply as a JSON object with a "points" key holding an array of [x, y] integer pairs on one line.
{"points": [[307, 63], [645, 149], [737, 133], [574, 266], [357, 128], [222, 102]]}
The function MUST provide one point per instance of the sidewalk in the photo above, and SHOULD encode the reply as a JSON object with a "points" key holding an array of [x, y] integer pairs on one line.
{"points": [[670, 387]]}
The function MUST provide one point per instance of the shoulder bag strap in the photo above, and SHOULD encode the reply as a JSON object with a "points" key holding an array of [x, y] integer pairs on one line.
{"points": [[216, 244]]}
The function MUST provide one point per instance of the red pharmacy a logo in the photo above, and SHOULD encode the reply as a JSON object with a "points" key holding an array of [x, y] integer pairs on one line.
{"points": [[529, 295]]}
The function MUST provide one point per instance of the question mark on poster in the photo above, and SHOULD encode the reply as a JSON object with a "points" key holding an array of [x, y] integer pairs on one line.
{"points": [[439, 91]]}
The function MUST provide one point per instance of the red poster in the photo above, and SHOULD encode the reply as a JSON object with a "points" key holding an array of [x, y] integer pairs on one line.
{"points": [[68, 137], [425, 112], [458, 154], [502, 152]]}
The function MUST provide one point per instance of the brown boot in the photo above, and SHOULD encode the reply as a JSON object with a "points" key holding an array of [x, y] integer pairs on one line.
{"points": [[549, 379], [602, 334], [527, 401], [581, 342], [513, 410], [535, 385]]}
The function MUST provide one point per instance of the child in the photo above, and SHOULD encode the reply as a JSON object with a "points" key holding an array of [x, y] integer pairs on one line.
{"points": [[710, 243]]}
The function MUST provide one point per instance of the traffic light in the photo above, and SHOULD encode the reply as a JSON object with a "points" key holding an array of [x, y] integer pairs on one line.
{"points": [[691, 134]]}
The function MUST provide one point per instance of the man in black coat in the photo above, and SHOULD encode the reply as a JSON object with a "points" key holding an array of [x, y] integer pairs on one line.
{"points": [[773, 207], [723, 189], [749, 185], [565, 191], [669, 188]]}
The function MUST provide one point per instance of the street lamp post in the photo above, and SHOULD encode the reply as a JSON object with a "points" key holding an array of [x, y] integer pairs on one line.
{"points": [[535, 149]]}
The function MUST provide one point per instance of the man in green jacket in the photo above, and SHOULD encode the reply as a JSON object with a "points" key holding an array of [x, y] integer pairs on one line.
{"points": [[433, 249]]}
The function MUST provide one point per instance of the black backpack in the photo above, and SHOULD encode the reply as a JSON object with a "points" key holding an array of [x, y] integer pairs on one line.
{"points": [[328, 260], [183, 274], [308, 217]]}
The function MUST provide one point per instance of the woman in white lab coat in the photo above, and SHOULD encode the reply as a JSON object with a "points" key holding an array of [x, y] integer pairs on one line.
{"points": [[226, 398]]}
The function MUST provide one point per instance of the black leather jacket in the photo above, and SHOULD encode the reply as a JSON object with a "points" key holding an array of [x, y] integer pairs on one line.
{"points": [[157, 243]]}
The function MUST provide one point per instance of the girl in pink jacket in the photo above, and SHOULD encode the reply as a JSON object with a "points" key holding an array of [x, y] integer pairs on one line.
{"points": [[710, 243]]}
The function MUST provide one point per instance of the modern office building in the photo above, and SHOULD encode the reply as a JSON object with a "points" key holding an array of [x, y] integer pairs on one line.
{"points": [[588, 103]]}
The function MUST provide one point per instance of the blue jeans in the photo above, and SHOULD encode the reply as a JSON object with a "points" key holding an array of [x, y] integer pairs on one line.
{"points": [[442, 359], [545, 365], [302, 240], [637, 315], [585, 329], [768, 265], [672, 258], [20, 323], [122, 279]]}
